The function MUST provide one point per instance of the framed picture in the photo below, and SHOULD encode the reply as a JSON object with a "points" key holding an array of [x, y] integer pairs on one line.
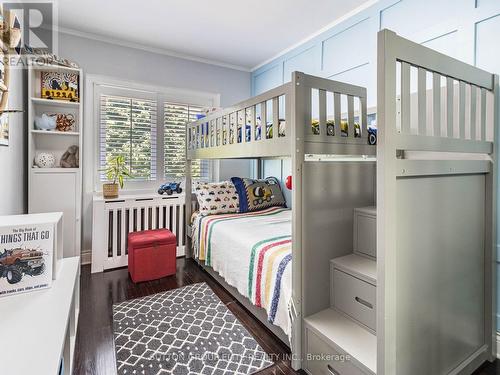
{"points": [[60, 86], [4, 129]]}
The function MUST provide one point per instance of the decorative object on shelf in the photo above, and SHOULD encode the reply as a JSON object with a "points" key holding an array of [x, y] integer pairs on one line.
{"points": [[10, 34], [4, 129], [170, 188], [60, 86], [10, 29], [116, 171], [65, 122], [45, 122], [41, 57], [45, 160], [70, 158], [26, 258]]}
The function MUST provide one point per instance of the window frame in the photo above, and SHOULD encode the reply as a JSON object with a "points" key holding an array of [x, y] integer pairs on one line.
{"points": [[110, 86]]}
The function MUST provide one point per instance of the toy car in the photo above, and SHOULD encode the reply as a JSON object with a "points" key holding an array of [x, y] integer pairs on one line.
{"points": [[170, 188], [15, 263], [372, 136]]}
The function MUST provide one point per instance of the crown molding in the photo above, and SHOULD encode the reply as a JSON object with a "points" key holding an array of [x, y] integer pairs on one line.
{"points": [[310, 37], [138, 46]]}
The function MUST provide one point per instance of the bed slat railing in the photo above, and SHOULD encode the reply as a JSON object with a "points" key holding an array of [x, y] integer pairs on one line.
{"points": [[337, 116], [256, 127], [336, 113], [443, 105]]}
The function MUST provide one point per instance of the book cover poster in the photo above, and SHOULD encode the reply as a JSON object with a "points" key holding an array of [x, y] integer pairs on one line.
{"points": [[26, 253]]}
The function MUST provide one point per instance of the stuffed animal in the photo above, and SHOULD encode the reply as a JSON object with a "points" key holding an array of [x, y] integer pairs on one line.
{"points": [[70, 158]]}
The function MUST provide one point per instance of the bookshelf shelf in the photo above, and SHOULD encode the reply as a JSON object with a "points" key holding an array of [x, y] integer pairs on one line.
{"points": [[55, 103]]}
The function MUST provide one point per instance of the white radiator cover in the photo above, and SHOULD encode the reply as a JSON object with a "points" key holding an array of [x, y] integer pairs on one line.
{"points": [[113, 219]]}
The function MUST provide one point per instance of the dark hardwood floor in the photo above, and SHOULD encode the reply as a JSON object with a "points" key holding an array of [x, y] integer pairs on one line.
{"points": [[94, 353]]}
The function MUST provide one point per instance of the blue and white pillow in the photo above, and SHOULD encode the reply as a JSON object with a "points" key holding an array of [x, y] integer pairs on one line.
{"points": [[255, 195]]}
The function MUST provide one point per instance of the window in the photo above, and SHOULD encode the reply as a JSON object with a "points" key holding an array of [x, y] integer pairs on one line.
{"points": [[128, 128], [175, 118], [148, 129]]}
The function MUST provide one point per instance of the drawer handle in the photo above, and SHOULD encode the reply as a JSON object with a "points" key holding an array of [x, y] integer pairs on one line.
{"points": [[363, 302], [332, 371]]}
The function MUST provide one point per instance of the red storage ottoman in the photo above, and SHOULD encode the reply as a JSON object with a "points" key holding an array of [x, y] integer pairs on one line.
{"points": [[151, 254]]}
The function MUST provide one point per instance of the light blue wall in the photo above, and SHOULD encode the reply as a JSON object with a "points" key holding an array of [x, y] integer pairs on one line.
{"points": [[468, 30]]}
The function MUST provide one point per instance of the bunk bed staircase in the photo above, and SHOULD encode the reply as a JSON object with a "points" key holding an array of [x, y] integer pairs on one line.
{"points": [[346, 330]]}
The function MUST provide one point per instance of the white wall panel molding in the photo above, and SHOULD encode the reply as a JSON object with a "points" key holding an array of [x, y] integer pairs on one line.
{"points": [[307, 61], [487, 55], [339, 44]]}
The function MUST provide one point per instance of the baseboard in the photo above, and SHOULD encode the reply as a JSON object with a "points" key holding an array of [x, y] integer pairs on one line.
{"points": [[86, 257]]}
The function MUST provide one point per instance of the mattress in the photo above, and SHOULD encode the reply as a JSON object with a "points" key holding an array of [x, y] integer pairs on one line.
{"points": [[252, 252]]}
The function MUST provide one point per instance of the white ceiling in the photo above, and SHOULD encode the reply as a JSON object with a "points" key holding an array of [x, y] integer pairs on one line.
{"points": [[239, 33]]}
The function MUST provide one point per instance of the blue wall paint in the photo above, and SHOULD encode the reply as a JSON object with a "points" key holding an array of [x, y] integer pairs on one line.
{"points": [[465, 29], [308, 61]]}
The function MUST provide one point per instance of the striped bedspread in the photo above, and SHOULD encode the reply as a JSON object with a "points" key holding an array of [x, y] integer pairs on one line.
{"points": [[252, 251]]}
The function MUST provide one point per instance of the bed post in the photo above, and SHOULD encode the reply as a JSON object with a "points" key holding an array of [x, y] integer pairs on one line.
{"points": [[188, 197], [386, 206], [491, 318], [298, 102]]}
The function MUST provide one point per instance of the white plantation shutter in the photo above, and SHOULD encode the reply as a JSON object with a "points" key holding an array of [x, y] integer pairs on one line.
{"points": [[176, 116], [131, 122], [128, 127]]}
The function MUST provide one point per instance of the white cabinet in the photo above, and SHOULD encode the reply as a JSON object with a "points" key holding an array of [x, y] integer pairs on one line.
{"points": [[58, 191]]}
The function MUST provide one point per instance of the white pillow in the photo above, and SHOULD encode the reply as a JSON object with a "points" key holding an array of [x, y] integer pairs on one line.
{"points": [[217, 198]]}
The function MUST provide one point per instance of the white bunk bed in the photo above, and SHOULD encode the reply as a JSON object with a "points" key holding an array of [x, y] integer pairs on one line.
{"points": [[433, 183]]}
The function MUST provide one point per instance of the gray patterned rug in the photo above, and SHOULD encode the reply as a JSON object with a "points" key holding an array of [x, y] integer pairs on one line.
{"points": [[183, 331]]}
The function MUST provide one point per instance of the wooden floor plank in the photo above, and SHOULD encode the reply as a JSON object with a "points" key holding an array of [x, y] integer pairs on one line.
{"points": [[94, 352]]}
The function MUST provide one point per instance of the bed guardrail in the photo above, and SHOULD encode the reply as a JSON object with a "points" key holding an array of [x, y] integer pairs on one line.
{"points": [[446, 105], [256, 127], [332, 113], [335, 114]]}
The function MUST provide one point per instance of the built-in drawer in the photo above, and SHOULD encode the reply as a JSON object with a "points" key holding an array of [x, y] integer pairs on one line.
{"points": [[322, 359], [355, 298], [365, 231]]}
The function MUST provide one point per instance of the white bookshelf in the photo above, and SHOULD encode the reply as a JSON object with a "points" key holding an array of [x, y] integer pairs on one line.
{"points": [[41, 326], [55, 189]]}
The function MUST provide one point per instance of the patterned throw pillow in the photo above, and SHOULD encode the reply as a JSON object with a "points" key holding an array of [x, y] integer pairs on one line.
{"points": [[257, 195], [217, 198]]}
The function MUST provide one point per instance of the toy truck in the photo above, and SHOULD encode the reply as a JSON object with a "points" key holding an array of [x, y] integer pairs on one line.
{"points": [[170, 188]]}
